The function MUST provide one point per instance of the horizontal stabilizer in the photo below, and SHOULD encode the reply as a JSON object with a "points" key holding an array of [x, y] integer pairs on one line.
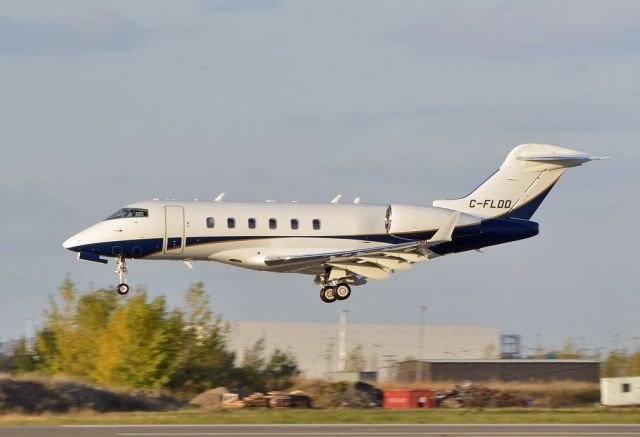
{"points": [[567, 160]]}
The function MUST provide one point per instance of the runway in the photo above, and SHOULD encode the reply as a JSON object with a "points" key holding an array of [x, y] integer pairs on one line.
{"points": [[320, 430]]}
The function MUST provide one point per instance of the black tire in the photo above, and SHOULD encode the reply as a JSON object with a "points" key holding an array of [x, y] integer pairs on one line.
{"points": [[328, 294], [342, 291], [122, 289]]}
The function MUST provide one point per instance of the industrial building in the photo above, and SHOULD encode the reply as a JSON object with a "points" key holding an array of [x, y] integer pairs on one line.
{"points": [[499, 370], [322, 347]]}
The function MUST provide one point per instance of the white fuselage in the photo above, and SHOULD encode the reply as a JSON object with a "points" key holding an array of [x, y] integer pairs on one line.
{"points": [[245, 233]]}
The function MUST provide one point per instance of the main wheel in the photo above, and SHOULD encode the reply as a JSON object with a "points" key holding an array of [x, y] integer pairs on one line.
{"points": [[328, 294], [122, 289], [343, 291]]}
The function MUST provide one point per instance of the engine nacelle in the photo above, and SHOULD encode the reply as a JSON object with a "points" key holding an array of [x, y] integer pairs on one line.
{"points": [[408, 218]]}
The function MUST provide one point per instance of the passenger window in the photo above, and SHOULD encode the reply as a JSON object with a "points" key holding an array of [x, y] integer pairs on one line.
{"points": [[294, 224], [316, 224], [252, 223], [231, 223], [211, 222], [273, 223]]}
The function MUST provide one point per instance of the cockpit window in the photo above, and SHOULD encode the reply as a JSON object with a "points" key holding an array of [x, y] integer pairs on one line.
{"points": [[128, 212]]}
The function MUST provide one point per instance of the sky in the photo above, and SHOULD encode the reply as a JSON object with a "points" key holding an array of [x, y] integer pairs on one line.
{"points": [[105, 103]]}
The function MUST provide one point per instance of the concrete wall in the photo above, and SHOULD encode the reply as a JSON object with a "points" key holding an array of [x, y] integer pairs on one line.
{"points": [[316, 344]]}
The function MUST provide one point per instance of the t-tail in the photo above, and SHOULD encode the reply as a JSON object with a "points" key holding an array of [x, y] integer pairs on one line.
{"points": [[524, 179]]}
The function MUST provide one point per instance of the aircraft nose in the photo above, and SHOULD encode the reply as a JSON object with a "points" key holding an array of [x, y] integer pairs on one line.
{"points": [[72, 242]]}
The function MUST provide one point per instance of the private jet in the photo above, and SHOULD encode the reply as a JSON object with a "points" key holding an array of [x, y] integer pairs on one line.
{"points": [[340, 245]]}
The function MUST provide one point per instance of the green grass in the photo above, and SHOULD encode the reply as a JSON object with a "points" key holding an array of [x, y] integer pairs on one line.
{"points": [[262, 416]]}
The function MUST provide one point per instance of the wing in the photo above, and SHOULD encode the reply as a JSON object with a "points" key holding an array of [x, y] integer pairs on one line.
{"points": [[372, 262]]}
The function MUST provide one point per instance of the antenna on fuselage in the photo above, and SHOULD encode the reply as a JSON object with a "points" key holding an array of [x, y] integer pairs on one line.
{"points": [[337, 198], [219, 198]]}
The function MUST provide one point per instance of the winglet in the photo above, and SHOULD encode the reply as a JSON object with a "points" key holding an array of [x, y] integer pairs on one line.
{"points": [[219, 197], [443, 235], [337, 198]]}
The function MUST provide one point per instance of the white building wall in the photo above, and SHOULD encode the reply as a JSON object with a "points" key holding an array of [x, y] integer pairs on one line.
{"points": [[315, 345], [612, 391]]}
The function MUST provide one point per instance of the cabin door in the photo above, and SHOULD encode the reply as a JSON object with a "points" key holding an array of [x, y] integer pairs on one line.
{"points": [[174, 230]]}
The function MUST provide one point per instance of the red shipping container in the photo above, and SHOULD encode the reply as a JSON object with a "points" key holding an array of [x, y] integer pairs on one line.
{"points": [[409, 398]]}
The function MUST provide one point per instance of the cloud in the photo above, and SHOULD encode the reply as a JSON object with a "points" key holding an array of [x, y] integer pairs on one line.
{"points": [[240, 5], [557, 27], [567, 116], [102, 33]]}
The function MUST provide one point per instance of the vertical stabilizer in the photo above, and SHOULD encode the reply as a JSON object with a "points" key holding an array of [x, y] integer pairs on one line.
{"points": [[520, 185]]}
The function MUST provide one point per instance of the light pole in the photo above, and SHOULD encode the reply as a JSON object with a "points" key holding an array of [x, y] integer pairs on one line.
{"points": [[342, 341], [422, 309], [329, 354]]}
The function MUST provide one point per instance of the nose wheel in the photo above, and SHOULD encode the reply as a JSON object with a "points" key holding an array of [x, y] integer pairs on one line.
{"points": [[122, 289], [121, 270]]}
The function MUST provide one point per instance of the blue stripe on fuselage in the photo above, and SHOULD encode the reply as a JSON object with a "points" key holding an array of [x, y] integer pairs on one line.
{"points": [[128, 248], [487, 233]]}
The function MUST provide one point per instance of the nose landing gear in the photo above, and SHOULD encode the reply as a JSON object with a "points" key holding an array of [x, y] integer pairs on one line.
{"points": [[121, 270]]}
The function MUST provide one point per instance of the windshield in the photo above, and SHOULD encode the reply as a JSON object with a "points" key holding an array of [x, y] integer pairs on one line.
{"points": [[129, 212]]}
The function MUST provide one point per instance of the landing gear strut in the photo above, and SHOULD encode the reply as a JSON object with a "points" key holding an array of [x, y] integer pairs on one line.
{"points": [[122, 270], [337, 287]]}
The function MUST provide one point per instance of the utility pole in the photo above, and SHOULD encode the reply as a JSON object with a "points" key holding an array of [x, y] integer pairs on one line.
{"points": [[342, 341], [422, 310], [28, 336]]}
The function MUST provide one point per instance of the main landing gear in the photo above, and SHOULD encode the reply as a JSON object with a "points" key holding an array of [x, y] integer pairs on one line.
{"points": [[336, 284], [331, 293], [121, 270]]}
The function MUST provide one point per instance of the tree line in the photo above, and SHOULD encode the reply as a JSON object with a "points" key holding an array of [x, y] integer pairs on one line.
{"points": [[139, 342]]}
